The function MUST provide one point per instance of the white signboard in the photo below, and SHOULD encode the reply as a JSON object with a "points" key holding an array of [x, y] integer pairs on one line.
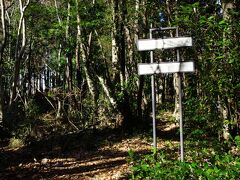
{"points": [[166, 67], [168, 43]]}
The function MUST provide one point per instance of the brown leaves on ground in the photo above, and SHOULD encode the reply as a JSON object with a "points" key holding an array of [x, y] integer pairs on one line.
{"points": [[86, 155], [107, 160]]}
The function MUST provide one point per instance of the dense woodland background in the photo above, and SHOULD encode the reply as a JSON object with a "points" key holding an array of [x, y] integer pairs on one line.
{"points": [[71, 65]]}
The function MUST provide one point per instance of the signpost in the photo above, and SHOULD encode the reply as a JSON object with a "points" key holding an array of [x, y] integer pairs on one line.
{"points": [[168, 67], [168, 43], [165, 67]]}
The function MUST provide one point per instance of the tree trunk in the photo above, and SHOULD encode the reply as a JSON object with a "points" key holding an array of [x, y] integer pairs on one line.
{"points": [[3, 39], [68, 54], [140, 82], [103, 83], [19, 50], [29, 70], [105, 89], [122, 49], [226, 6], [119, 59], [77, 50], [58, 76], [115, 40], [176, 89], [2, 47], [83, 51]]}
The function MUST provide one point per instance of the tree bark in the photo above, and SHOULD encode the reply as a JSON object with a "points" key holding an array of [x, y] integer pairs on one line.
{"points": [[223, 106], [58, 78], [68, 53], [2, 47], [3, 39], [140, 82], [115, 39], [105, 89], [123, 46], [84, 51], [103, 83], [77, 50], [119, 59], [19, 50]]}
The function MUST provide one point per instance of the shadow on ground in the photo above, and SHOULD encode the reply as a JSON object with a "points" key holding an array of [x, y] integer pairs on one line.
{"points": [[62, 156], [78, 155]]}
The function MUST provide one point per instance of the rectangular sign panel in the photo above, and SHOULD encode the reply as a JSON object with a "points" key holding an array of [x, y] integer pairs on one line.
{"points": [[165, 67], [168, 43]]}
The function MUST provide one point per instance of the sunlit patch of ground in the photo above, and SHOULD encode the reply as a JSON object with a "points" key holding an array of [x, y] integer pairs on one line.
{"points": [[107, 161]]}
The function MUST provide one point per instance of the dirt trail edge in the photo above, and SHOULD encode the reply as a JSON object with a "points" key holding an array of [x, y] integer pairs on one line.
{"points": [[108, 161], [89, 155]]}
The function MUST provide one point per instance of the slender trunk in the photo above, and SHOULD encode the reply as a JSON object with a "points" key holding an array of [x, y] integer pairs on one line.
{"points": [[83, 52], [56, 7], [30, 70], [19, 50], [119, 59], [226, 6], [84, 55], [58, 76], [3, 39], [77, 50], [176, 77], [115, 47], [176, 89], [103, 83], [122, 52], [105, 89], [2, 47], [140, 82], [68, 54]]}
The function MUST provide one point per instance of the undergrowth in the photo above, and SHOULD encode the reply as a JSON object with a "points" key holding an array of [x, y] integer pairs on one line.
{"points": [[203, 160]]}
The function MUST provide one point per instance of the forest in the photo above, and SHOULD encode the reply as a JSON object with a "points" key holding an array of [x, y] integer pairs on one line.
{"points": [[73, 106]]}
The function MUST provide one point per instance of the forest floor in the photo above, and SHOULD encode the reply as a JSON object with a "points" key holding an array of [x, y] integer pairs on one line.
{"points": [[88, 155]]}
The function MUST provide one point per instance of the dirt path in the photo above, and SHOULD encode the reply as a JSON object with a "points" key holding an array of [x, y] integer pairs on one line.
{"points": [[101, 155], [109, 161]]}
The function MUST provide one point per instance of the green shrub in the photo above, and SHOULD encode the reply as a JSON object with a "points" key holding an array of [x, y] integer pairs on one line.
{"points": [[237, 141], [16, 143], [157, 167]]}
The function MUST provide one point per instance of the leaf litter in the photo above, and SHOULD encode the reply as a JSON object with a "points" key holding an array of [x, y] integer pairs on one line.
{"points": [[95, 157]]}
